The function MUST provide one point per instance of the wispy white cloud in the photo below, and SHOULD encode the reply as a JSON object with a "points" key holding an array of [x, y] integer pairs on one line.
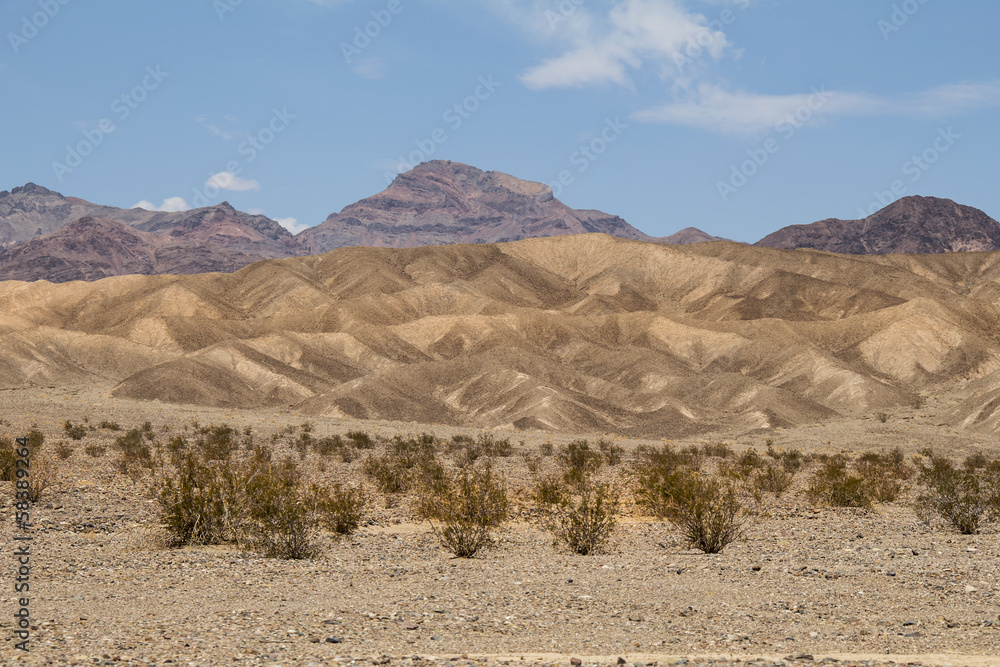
{"points": [[169, 205], [608, 48], [372, 68], [714, 108], [225, 180], [227, 134], [292, 225]]}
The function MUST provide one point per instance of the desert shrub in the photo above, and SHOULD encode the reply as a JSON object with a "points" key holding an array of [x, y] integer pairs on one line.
{"points": [[547, 449], [326, 447], [42, 476], [74, 431], [834, 484], [255, 502], [961, 497], [388, 477], [882, 417], [200, 503], [135, 452], [109, 426], [976, 461], [496, 447], [586, 521], [95, 451], [217, 443], [772, 479], [719, 450], [657, 471], [579, 461], [8, 460], [709, 512], [465, 509], [278, 519], [35, 439], [339, 507], [361, 439], [791, 460], [612, 453], [744, 466], [64, 450], [884, 474], [550, 491]]}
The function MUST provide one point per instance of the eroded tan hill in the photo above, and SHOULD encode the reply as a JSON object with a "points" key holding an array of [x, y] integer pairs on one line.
{"points": [[579, 333]]}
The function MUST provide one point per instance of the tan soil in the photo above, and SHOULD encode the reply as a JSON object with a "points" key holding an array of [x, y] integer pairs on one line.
{"points": [[836, 583]]}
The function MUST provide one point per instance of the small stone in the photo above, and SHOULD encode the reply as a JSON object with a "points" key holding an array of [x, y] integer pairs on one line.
{"points": [[970, 589], [756, 567], [621, 660], [907, 624], [891, 573], [575, 661], [334, 640]]}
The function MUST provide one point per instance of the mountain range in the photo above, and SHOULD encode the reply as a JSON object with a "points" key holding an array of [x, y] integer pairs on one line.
{"points": [[582, 333], [45, 235]]}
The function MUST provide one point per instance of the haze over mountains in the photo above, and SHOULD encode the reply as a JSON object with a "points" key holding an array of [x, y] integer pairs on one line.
{"points": [[44, 235], [574, 333]]}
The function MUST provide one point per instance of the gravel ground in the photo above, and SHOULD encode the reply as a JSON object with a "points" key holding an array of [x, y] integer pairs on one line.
{"points": [[841, 586]]}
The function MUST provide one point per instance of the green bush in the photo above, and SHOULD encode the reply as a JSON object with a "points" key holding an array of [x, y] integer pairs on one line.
{"points": [[613, 454], [361, 439], [217, 443], [550, 491], [772, 479], [340, 507], [75, 432], [963, 498], [834, 484], [579, 462], [465, 509], [708, 512], [586, 521], [8, 460], [94, 451]]}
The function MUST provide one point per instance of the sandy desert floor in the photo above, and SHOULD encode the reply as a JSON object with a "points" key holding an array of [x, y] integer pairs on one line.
{"points": [[808, 584]]}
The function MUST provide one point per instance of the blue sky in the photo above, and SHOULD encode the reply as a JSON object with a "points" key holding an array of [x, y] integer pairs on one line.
{"points": [[737, 117]]}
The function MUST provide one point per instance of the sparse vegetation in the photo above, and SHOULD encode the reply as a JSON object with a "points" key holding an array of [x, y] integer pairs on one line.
{"points": [[95, 451], [585, 519], [74, 431], [465, 509], [64, 450], [962, 498]]}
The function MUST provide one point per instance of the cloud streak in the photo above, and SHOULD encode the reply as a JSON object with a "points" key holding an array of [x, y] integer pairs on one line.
{"points": [[713, 108]]}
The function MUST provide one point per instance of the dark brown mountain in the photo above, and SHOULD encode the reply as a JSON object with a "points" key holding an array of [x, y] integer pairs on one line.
{"points": [[912, 225], [95, 248], [442, 202], [32, 211]]}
